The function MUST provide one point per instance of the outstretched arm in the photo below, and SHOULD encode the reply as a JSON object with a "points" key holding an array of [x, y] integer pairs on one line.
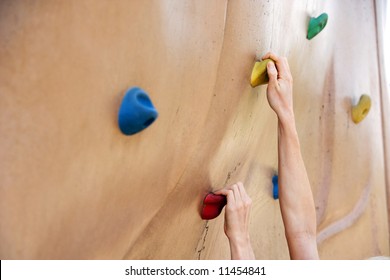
{"points": [[295, 195], [237, 221]]}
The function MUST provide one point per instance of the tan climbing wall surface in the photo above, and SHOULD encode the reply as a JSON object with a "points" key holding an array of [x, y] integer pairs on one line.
{"points": [[72, 186]]}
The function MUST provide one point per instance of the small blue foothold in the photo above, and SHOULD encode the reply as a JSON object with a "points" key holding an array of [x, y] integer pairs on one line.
{"points": [[276, 186], [136, 111]]}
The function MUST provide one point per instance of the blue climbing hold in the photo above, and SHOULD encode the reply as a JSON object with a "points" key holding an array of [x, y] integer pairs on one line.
{"points": [[136, 111], [276, 187]]}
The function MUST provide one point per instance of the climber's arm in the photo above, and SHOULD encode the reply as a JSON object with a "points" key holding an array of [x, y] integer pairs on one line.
{"points": [[295, 195]]}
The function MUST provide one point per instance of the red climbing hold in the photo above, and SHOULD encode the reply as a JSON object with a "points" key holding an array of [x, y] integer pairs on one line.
{"points": [[212, 206]]}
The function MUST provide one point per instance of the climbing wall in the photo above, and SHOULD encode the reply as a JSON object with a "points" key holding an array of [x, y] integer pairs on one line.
{"points": [[72, 186]]}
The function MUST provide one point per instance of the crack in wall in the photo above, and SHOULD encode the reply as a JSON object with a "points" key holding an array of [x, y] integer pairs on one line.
{"points": [[201, 243], [230, 173]]}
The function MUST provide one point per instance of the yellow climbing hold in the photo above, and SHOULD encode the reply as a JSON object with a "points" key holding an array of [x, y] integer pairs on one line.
{"points": [[360, 111], [259, 73]]}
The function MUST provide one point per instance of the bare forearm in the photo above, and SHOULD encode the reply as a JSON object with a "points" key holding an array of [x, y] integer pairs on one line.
{"points": [[296, 199], [241, 249]]}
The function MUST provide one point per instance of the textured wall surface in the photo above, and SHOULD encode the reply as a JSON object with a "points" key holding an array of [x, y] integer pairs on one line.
{"points": [[73, 187]]}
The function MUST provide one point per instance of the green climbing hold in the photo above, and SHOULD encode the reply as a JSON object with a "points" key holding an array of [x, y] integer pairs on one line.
{"points": [[316, 25]]}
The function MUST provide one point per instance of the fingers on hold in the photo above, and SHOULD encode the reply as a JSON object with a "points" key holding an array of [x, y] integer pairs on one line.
{"points": [[241, 189], [221, 191], [233, 187], [271, 70], [281, 67], [248, 202], [236, 190], [288, 77], [285, 60], [271, 66], [235, 193], [271, 55], [230, 196], [284, 70]]}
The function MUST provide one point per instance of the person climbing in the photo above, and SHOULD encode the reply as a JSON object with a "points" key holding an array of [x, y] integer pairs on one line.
{"points": [[295, 195]]}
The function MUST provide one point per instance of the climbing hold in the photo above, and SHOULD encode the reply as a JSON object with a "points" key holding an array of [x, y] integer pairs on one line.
{"points": [[360, 111], [316, 25], [212, 206], [136, 111], [275, 187], [259, 73]]}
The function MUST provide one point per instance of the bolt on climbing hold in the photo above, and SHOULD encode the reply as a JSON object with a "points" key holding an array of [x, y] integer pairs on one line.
{"points": [[275, 190], [212, 206], [136, 111], [316, 25], [259, 73], [360, 111]]}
